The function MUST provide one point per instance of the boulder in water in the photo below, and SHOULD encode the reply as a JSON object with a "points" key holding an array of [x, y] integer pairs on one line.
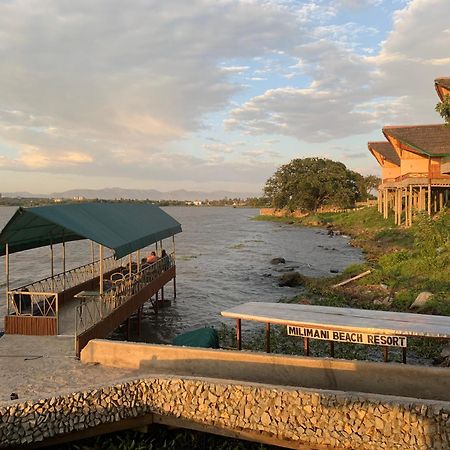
{"points": [[278, 260], [291, 279]]}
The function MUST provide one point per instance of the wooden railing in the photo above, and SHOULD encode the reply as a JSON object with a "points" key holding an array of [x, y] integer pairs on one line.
{"points": [[90, 312], [28, 303], [71, 278]]}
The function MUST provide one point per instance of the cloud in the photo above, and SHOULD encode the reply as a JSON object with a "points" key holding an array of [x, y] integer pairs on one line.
{"points": [[353, 94], [96, 77]]}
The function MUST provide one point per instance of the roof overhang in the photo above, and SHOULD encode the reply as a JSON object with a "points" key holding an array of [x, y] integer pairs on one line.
{"points": [[122, 227]]}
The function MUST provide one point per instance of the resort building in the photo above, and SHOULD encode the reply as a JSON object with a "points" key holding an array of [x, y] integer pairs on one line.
{"points": [[442, 86], [415, 162]]}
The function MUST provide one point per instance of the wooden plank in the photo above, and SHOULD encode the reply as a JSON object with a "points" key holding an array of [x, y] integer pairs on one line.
{"points": [[344, 319], [31, 325], [357, 277]]}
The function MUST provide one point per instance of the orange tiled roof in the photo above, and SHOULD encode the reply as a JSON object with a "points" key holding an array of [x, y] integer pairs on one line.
{"points": [[386, 150], [431, 140]]}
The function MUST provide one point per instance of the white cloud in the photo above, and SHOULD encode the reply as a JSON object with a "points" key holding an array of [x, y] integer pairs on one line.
{"points": [[122, 82], [351, 94]]}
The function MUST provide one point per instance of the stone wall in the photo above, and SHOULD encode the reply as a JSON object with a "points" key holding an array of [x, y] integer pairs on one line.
{"points": [[324, 419]]}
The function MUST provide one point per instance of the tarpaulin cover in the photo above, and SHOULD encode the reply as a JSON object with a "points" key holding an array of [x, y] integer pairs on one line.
{"points": [[202, 337], [122, 227]]}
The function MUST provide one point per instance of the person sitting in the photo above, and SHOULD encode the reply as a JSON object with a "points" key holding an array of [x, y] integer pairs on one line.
{"points": [[166, 260], [152, 258]]}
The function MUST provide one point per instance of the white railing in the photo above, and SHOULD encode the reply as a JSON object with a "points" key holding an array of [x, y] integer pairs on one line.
{"points": [[29, 303], [71, 278], [90, 312]]}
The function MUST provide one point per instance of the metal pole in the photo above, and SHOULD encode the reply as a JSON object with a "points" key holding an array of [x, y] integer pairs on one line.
{"points": [[93, 259], [53, 269], [138, 260], [101, 268], [64, 266], [173, 242], [7, 273]]}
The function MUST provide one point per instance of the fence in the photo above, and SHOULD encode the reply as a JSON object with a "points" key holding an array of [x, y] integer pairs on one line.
{"points": [[123, 287]]}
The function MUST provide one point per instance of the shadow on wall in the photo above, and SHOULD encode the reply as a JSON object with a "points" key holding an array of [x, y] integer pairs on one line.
{"points": [[316, 373]]}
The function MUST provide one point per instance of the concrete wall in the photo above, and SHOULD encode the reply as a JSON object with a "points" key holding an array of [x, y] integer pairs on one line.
{"points": [[277, 414], [320, 373]]}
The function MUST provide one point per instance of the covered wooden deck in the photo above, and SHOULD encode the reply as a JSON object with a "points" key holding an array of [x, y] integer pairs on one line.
{"points": [[92, 300]]}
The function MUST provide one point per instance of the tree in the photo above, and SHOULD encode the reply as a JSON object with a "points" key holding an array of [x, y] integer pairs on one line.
{"points": [[366, 184], [309, 183], [443, 108]]}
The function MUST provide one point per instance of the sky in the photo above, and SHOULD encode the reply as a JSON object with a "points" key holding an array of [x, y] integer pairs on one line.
{"points": [[207, 95]]}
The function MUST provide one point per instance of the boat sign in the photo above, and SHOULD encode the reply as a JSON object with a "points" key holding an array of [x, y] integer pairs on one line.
{"points": [[347, 336]]}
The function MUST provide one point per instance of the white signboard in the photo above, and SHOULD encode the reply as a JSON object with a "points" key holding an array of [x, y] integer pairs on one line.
{"points": [[347, 336]]}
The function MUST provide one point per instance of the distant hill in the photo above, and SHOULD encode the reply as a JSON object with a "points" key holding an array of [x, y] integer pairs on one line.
{"points": [[135, 194]]}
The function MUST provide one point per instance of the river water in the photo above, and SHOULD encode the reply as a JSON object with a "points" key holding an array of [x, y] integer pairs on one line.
{"points": [[223, 259]]}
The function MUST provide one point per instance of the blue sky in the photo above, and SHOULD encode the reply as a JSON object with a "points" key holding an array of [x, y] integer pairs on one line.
{"points": [[207, 95]]}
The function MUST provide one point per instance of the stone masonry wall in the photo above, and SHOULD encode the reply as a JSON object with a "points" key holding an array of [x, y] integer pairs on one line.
{"points": [[327, 418]]}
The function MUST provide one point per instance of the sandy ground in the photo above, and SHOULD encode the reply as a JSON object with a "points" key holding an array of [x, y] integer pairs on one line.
{"points": [[40, 366]]}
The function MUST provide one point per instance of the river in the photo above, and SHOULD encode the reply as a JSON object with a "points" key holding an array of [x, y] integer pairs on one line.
{"points": [[223, 259]]}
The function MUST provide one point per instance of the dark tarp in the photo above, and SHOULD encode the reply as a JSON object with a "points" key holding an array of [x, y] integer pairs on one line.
{"points": [[202, 337], [122, 227]]}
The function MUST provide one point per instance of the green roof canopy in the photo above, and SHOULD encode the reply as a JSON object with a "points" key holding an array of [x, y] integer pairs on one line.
{"points": [[122, 227]]}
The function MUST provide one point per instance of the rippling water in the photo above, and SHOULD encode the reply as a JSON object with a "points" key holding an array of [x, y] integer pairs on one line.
{"points": [[223, 259]]}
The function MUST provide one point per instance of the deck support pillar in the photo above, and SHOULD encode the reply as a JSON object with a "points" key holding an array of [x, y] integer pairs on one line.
{"points": [[7, 274], [140, 320], [174, 288], [429, 199], [306, 346]]}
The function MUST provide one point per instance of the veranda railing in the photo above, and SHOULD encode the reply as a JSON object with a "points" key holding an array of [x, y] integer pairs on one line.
{"points": [[90, 312]]}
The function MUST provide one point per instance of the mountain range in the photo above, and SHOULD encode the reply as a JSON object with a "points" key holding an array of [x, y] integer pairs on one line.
{"points": [[135, 194]]}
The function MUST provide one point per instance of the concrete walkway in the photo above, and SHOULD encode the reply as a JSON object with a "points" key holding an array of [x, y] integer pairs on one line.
{"points": [[40, 366]]}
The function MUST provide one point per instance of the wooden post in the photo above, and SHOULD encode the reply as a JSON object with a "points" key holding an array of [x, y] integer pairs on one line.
{"points": [[404, 355], [52, 269], [386, 353], [332, 349], [64, 265], [101, 268], [268, 337], [306, 346], [441, 200], [429, 199], [138, 260], [410, 206], [238, 334], [162, 293], [93, 259], [140, 320], [130, 260], [174, 288], [7, 273]]}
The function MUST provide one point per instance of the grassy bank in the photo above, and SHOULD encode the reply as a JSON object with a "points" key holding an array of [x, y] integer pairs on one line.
{"points": [[404, 262]]}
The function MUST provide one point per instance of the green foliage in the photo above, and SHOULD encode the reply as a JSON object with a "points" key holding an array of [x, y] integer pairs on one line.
{"points": [[307, 184], [443, 108]]}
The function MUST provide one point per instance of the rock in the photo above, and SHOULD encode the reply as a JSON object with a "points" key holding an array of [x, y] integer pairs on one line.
{"points": [[291, 279], [278, 260], [445, 353], [386, 301], [421, 300], [334, 271]]}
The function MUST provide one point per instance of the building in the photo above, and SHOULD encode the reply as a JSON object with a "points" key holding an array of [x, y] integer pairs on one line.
{"points": [[415, 165]]}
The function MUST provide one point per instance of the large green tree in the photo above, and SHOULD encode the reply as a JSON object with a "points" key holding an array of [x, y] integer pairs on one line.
{"points": [[443, 108], [309, 183]]}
